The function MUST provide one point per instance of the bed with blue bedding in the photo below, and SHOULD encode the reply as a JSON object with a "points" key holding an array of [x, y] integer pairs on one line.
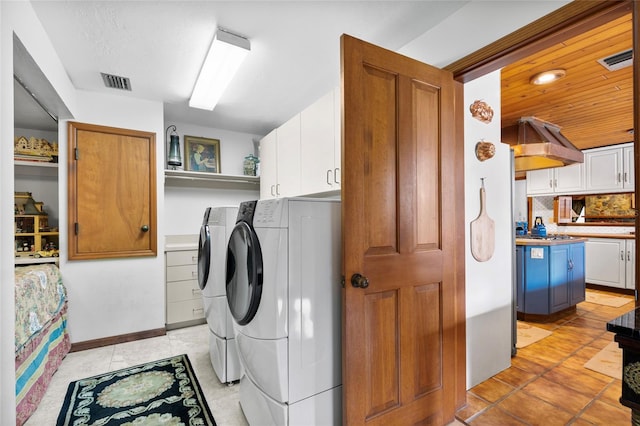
{"points": [[41, 338]]}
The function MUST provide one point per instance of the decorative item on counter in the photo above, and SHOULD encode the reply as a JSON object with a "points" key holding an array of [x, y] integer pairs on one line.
{"points": [[480, 110], [485, 150], [202, 154], [35, 150], [482, 231], [250, 165]]}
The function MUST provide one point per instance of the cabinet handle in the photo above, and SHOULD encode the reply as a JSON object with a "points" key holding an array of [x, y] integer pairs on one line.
{"points": [[621, 254], [194, 273], [195, 292], [619, 177], [277, 189], [336, 171], [555, 183], [194, 258], [328, 177], [629, 255], [570, 264], [626, 179], [196, 311], [272, 188], [550, 183]]}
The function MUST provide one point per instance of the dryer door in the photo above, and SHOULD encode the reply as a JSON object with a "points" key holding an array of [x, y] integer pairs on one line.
{"points": [[204, 256], [244, 273]]}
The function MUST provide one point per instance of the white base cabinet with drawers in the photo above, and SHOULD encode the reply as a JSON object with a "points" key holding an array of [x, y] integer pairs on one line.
{"points": [[184, 301], [610, 262]]}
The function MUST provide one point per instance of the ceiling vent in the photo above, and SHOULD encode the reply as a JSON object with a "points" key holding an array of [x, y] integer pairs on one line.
{"points": [[116, 82], [618, 60]]}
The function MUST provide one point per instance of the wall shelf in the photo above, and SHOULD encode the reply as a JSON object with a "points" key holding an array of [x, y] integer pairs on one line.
{"points": [[181, 178], [35, 168]]}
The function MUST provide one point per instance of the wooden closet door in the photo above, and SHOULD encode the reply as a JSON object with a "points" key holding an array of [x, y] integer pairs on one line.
{"points": [[112, 192]]}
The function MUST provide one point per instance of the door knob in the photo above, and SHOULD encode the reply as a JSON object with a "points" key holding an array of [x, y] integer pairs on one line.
{"points": [[144, 228], [359, 281]]}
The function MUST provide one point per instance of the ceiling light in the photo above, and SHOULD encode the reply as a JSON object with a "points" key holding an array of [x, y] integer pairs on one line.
{"points": [[547, 77], [225, 55]]}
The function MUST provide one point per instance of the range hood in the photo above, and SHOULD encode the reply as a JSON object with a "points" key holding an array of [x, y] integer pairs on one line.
{"points": [[538, 144]]}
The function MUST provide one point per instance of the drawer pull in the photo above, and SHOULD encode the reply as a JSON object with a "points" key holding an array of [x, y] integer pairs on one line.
{"points": [[197, 311], [194, 258], [195, 291], [194, 273]]}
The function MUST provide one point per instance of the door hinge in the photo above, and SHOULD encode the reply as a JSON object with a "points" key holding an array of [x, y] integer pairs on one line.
{"points": [[76, 154], [76, 227], [342, 281]]}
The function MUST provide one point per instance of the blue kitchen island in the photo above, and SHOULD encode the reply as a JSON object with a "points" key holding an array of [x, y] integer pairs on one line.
{"points": [[550, 277]]}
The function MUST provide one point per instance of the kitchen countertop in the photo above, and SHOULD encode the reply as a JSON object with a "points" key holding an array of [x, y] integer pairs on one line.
{"points": [[627, 324], [625, 236], [524, 241], [181, 242]]}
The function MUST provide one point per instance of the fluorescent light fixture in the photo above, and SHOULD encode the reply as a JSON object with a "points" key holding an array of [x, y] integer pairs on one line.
{"points": [[225, 55]]}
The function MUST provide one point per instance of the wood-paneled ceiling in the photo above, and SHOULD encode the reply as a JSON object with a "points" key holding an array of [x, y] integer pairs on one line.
{"points": [[592, 106]]}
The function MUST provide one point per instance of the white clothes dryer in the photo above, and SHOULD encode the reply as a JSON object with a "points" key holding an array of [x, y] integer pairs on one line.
{"points": [[216, 228], [283, 288]]}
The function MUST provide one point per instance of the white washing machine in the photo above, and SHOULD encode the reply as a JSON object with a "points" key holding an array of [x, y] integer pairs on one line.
{"points": [[283, 289], [216, 228]]}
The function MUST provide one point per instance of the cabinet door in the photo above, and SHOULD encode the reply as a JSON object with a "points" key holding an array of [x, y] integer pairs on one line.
{"points": [[520, 274], [536, 287], [337, 138], [576, 282], [569, 179], [540, 182], [268, 165], [98, 226], [628, 176], [604, 170], [605, 262], [559, 277], [317, 146], [288, 158], [630, 264]]}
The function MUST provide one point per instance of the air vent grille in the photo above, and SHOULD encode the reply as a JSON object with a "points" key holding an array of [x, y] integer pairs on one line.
{"points": [[618, 60], [116, 82]]}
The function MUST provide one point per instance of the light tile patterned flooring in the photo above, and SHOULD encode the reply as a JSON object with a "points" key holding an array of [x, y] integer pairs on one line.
{"points": [[547, 383], [222, 399]]}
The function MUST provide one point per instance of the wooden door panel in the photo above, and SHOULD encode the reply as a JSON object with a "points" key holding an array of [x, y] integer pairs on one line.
{"points": [[111, 192], [402, 344]]}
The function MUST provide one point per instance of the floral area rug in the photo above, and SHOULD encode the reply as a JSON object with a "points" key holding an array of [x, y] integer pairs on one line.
{"points": [[163, 392]]}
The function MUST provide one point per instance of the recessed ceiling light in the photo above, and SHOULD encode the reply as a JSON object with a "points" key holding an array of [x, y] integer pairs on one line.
{"points": [[547, 77]]}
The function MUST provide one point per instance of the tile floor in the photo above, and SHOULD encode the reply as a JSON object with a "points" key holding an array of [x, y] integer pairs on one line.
{"points": [[547, 383], [222, 399]]}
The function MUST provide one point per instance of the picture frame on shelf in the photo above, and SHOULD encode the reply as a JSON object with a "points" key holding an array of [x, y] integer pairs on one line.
{"points": [[202, 154]]}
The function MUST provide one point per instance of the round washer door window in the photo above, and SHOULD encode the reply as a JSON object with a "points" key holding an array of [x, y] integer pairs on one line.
{"points": [[204, 256], [244, 273]]}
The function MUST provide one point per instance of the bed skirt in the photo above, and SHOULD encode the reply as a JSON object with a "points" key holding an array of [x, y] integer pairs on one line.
{"points": [[36, 362]]}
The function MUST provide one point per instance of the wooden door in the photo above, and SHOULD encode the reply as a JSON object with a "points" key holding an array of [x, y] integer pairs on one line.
{"points": [[403, 229], [112, 192]]}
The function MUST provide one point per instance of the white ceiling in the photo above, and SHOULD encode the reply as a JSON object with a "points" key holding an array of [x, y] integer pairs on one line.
{"points": [[295, 48], [160, 46]]}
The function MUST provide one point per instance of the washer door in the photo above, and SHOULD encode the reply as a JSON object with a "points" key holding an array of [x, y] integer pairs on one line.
{"points": [[244, 273], [204, 256]]}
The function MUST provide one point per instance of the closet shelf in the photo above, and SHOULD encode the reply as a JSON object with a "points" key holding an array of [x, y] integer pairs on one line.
{"points": [[35, 168]]}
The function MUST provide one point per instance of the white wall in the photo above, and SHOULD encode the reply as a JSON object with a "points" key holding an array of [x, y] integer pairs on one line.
{"points": [[115, 296], [17, 17], [184, 206], [489, 291]]}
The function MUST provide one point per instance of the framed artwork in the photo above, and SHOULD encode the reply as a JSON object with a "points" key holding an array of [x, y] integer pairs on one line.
{"points": [[202, 154]]}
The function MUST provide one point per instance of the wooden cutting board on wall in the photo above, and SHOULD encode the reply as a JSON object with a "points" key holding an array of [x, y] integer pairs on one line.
{"points": [[483, 232]]}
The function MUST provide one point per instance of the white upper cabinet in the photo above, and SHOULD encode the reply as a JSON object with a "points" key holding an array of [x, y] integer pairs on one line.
{"points": [[280, 161], [558, 180], [609, 169], [319, 171], [269, 165]]}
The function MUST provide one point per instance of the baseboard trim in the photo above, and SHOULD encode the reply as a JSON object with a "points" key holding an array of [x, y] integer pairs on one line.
{"points": [[123, 338]]}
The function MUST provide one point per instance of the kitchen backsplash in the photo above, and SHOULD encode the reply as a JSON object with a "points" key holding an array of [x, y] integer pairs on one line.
{"points": [[543, 207]]}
